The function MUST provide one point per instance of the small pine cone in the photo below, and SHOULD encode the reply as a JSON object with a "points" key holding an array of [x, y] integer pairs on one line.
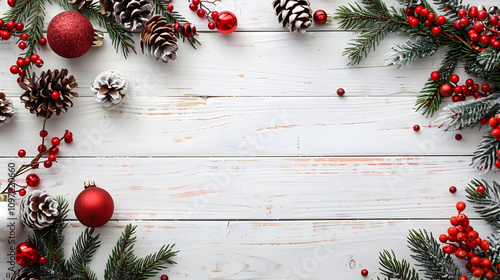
{"points": [[158, 40], [106, 6], [132, 14], [37, 96], [24, 274], [38, 210], [295, 15], [81, 3], [6, 109], [109, 88]]}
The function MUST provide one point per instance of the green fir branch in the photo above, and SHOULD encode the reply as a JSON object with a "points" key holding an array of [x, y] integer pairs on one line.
{"points": [[160, 7], [84, 249], [121, 38], [449, 8], [122, 256], [430, 99], [486, 154], [152, 264], [83, 272], [486, 204], [395, 269], [429, 255], [415, 48], [462, 115], [489, 59]]}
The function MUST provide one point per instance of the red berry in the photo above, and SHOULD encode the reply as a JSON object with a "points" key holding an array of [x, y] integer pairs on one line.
{"points": [[201, 13], [458, 137], [20, 62], [364, 272], [475, 260], [170, 7], [14, 69], [418, 10], [431, 17], [43, 133], [10, 25], [454, 78], [27, 61], [452, 231], [55, 141], [11, 3], [478, 26], [52, 157], [485, 88], [445, 90], [24, 37], [413, 21], [193, 7], [42, 260], [483, 120], [462, 13], [19, 26], [469, 82], [456, 98], [473, 12], [416, 127], [454, 221], [493, 20], [435, 75], [32, 180], [485, 245], [215, 15], [1, 22], [460, 206], [426, 12], [461, 237], [497, 164], [68, 135], [55, 95], [464, 22], [484, 39], [42, 41], [22, 192], [39, 63], [21, 153], [453, 189], [428, 23], [340, 92], [436, 30], [409, 11], [443, 238], [211, 25], [473, 235], [496, 133], [47, 164], [478, 272], [34, 57], [482, 15], [440, 20], [196, 2], [54, 150], [177, 26], [164, 277], [493, 122], [68, 140], [5, 35], [22, 45], [42, 148]]}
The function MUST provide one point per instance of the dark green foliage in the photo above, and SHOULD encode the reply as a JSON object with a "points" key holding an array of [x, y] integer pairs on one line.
{"points": [[122, 263], [485, 155], [395, 269], [487, 204]]}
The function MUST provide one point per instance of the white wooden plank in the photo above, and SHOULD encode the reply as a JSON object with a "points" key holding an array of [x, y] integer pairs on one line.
{"points": [[268, 250], [319, 126], [268, 188]]}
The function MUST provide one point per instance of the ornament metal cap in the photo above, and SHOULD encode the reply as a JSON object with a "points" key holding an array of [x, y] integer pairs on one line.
{"points": [[89, 184], [3, 197], [98, 39]]}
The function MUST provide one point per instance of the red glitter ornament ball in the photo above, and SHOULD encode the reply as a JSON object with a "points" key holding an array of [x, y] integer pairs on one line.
{"points": [[226, 22], [320, 17], [94, 206], [26, 254], [70, 34], [33, 180]]}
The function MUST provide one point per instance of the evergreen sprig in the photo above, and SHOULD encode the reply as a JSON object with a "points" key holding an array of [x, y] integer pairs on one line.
{"points": [[122, 263], [486, 153], [486, 204], [392, 268]]}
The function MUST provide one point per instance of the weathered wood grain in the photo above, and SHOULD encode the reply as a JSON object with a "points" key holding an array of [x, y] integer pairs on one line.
{"points": [[268, 188]]}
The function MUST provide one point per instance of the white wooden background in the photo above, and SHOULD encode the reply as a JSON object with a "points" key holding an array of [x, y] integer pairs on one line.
{"points": [[242, 154]]}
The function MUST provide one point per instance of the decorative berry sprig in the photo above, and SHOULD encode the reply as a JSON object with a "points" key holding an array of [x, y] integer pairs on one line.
{"points": [[46, 157]]}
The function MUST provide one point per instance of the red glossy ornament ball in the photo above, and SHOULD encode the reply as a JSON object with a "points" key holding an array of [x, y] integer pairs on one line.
{"points": [[226, 22], [26, 254], [446, 90], [94, 207], [70, 34], [188, 30], [21, 153], [364, 272], [33, 180], [320, 17]]}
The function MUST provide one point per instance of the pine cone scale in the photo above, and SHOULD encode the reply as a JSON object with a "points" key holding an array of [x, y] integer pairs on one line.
{"points": [[158, 40], [6, 109]]}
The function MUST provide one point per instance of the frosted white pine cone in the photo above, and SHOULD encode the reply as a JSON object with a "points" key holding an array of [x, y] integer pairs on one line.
{"points": [[6, 109], [110, 88], [38, 210]]}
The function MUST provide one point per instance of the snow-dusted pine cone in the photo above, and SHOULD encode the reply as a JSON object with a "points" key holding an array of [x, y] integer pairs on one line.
{"points": [[81, 3], [24, 274], [295, 15], [132, 14], [158, 40], [37, 96], [109, 88], [38, 210], [6, 109]]}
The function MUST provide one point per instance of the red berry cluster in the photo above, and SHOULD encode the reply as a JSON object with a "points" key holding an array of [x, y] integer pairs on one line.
{"points": [[421, 14], [32, 180], [481, 31], [460, 92], [494, 122], [204, 12], [462, 239]]}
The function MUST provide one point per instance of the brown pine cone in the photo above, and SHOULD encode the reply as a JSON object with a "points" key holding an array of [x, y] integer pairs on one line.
{"points": [[37, 96], [132, 14], [81, 3], [6, 109], [296, 15], [106, 6], [158, 40], [38, 210], [24, 274]]}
